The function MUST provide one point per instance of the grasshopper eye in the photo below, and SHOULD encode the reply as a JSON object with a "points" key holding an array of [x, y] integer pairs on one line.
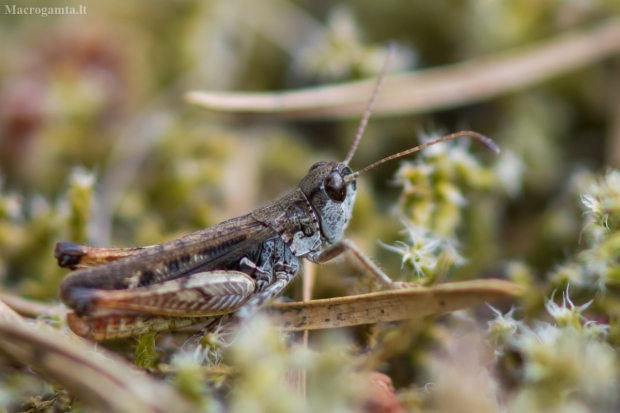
{"points": [[335, 187]]}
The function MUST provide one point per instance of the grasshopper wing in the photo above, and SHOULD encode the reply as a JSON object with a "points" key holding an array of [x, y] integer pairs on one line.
{"points": [[214, 248]]}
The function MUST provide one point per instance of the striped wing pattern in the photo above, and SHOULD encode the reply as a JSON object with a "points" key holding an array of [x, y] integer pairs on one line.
{"points": [[197, 295], [209, 249]]}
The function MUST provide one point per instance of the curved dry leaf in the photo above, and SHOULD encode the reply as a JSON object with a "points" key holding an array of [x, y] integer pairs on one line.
{"points": [[102, 381], [427, 90], [392, 305]]}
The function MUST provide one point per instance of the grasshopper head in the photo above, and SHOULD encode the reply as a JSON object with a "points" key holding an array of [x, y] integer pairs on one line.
{"points": [[331, 196], [330, 186]]}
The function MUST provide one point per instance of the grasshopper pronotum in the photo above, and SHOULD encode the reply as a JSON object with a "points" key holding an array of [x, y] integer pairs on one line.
{"points": [[233, 267]]}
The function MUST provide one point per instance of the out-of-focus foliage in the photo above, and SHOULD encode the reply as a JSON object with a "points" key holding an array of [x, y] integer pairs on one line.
{"points": [[97, 146]]}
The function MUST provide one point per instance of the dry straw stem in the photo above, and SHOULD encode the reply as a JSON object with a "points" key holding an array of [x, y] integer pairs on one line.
{"points": [[102, 381], [296, 377], [612, 153], [7, 314], [30, 308], [392, 305], [384, 306], [428, 90]]}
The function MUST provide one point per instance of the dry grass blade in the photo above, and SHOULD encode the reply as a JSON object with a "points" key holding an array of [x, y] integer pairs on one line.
{"points": [[424, 91], [30, 308], [7, 314], [392, 305], [105, 383]]}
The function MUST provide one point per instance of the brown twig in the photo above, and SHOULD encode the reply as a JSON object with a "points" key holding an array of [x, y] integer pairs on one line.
{"points": [[612, 144], [30, 308], [308, 286], [391, 305], [8, 314], [439, 88], [383, 306]]}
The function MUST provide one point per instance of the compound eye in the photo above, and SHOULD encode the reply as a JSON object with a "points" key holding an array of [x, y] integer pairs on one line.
{"points": [[335, 187]]}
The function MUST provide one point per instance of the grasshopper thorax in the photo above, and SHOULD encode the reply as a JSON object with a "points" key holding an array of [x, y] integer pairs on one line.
{"points": [[331, 196]]}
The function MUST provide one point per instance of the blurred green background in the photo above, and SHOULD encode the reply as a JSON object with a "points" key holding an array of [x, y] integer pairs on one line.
{"points": [[97, 144]]}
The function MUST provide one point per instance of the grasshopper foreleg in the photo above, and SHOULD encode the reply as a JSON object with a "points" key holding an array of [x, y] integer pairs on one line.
{"points": [[345, 245]]}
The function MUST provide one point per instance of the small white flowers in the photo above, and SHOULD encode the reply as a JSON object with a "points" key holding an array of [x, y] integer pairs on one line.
{"points": [[435, 185], [509, 170], [566, 364], [422, 251], [597, 265], [82, 178], [566, 315], [503, 325], [602, 201], [209, 350]]}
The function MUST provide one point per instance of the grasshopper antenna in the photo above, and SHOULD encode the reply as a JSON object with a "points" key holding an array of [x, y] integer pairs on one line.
{"points": [[487, 142], [371, 103]]}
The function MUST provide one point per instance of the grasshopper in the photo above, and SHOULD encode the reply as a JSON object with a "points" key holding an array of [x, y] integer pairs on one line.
{"points": [[232, 267]]}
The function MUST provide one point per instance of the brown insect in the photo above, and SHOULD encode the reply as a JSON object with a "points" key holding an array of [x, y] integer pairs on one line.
{"points": [[233, 267]]}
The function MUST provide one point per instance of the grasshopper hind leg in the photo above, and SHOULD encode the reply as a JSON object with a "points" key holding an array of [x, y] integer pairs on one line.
{"points": [[201, 297], [196, 295]]}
